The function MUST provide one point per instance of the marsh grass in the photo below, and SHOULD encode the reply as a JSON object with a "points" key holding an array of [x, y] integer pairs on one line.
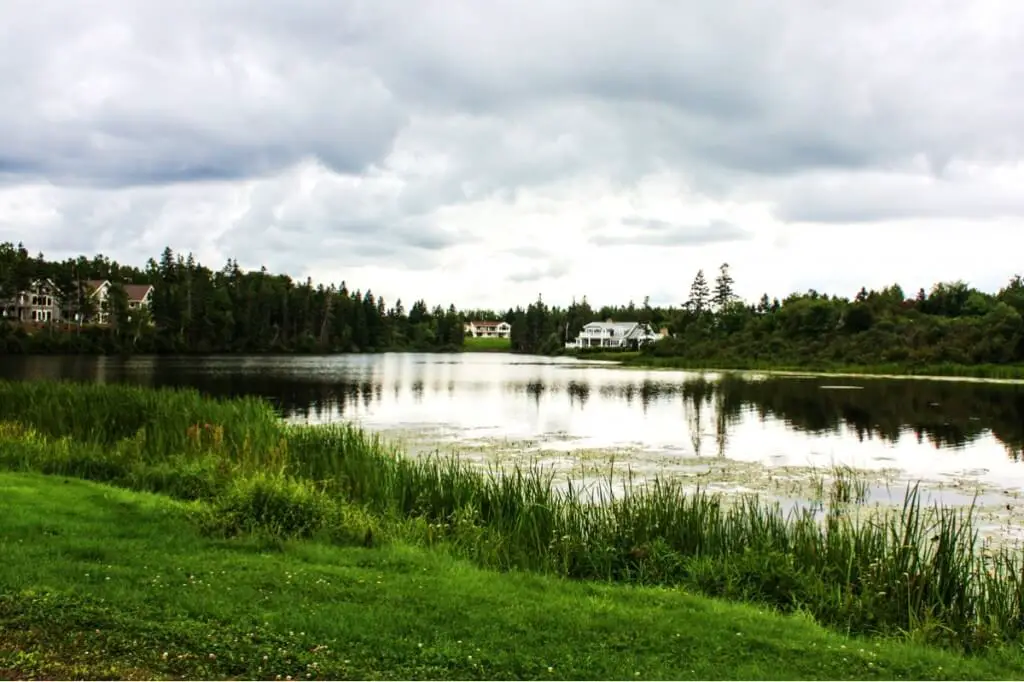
{"points": [[919, 570]]}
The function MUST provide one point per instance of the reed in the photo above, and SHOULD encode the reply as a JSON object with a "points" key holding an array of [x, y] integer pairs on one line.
{"points": [[916, 570]]}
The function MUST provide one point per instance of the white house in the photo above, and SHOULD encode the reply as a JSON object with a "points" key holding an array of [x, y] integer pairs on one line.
{"points": [[39, 303], [139, 295], [617, 335], [491, 330], [99, 291]]}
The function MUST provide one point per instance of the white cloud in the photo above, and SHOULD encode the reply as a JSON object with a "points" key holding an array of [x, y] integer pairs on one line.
{"points": [[482, 153]]}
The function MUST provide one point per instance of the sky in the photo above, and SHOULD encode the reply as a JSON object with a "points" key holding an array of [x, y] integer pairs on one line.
{"points": [[485, 153]]}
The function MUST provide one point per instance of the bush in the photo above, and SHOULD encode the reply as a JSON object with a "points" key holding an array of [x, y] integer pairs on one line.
{"points": [[272, 504]]}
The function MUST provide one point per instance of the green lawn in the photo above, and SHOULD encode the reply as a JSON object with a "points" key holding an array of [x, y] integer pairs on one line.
{"points": [[98, 582], [486, 345]]}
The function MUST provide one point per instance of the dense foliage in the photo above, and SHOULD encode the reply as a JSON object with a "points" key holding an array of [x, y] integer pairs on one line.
{"points": [[953, 323], [196, 309]]}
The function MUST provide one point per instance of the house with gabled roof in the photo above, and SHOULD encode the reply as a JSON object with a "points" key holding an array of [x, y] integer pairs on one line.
{"points": [[40, 303], [616, 335], [492, 330], [139, 295], [98, 291]]}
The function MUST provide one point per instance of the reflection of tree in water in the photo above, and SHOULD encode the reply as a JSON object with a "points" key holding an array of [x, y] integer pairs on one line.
{"points": [[578, 391], [536, 389], [696, 394], [693, 423], [946, 414]]}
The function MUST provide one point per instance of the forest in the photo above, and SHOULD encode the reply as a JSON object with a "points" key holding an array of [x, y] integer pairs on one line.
{"points": [[199, 310], [952, 324]]}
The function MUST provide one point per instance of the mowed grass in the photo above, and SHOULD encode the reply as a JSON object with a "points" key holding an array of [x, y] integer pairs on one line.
{"points": [[917, 573], [482, 344], [99, 582]]}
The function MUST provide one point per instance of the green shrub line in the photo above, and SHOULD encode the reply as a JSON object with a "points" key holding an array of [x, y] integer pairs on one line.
{"points": [[947, 369], [919, 570]]}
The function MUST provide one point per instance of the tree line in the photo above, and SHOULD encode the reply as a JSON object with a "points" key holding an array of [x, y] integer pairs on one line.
{"points": [[952, 323], [197, 309]]}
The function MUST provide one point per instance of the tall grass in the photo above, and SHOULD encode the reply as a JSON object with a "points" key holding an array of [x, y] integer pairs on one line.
{"points": [[108, 414], [918, 570]]}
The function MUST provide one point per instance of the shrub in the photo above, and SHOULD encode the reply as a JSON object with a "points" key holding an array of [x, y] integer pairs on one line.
{"points": [[272, 504]]}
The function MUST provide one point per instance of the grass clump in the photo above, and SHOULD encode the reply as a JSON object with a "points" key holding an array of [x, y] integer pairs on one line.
{"points": [[273, 504], [919, 570]]}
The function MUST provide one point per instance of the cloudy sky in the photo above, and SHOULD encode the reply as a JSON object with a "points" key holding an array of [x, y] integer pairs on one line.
{"points": [[484, 152]]}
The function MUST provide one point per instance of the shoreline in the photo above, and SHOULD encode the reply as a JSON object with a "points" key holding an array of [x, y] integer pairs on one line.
{"points": [[247, 474], [154, 598], [971, 373]]}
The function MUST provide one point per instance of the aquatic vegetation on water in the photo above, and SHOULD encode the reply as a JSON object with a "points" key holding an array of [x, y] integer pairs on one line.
{"points": [[918, 569]]}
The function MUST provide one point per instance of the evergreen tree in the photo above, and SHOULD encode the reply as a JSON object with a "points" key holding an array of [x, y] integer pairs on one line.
{"points": [[724, 294], [699, 294]]}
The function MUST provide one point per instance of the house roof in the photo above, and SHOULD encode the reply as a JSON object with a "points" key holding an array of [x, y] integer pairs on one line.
{"points": [[137, 292], [487, 324], [94, 284], [617, 326]]}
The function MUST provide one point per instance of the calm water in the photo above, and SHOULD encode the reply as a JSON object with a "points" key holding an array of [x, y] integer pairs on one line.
{"points": [[935, 430]]}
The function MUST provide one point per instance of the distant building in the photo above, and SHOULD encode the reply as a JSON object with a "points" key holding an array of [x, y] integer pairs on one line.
{"points": [[99, 291], [489, 330], [616, 335], [40, 303], [139, 295], [43, 303]]}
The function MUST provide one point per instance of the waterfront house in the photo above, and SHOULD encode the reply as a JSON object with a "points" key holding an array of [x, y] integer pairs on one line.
{"points": [[616, 335], [139, 295], [490, 330], [38, 304]]}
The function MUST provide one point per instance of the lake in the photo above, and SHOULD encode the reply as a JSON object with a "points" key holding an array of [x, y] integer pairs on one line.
{"points": [[733, 432]]}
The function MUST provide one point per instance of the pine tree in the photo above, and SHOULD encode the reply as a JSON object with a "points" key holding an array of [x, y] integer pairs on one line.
{"points": [[699, 293], [724, 294]]}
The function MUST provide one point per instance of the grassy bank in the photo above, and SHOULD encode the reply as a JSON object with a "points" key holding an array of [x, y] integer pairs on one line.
{"points": [[920, 571], [636, 359], [473, 344], [126, 586]]}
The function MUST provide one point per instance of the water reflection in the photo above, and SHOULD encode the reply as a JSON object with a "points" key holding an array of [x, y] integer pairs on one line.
{"points": [[915, 425]]}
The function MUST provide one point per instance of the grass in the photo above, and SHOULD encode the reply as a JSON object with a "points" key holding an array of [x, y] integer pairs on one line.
{"points": [[101, 583], [636, 359], [919, 572], [482, 344]]}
